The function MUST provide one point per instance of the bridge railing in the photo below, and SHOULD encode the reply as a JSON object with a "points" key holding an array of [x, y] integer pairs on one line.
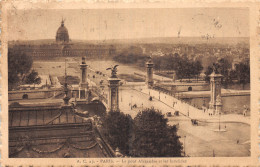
{"points": [[100, 95], [161, 89], [179, 96]]}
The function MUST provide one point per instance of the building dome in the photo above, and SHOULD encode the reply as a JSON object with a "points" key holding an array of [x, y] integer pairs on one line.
{"points": [[62, 34]]}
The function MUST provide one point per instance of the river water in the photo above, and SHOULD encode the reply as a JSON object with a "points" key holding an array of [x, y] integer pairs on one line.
{"points": [[231, 104]]}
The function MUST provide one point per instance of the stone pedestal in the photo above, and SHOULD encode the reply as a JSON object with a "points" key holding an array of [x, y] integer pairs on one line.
{"points": [[149, 77], [66, 100], [218, 105], [215, 93], [66, 97], [113, 98]]}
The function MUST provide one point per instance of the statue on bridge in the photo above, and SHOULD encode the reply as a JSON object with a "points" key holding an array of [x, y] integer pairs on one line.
{"points": [[149, 59], [113, 71], [215, 68]]}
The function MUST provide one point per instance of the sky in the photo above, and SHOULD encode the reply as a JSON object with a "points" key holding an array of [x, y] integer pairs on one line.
{"points": [[102, 24]]}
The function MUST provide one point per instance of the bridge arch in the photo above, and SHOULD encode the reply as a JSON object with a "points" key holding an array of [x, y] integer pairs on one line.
{"points": [[96, 100], [190, 88], [25, 96]]}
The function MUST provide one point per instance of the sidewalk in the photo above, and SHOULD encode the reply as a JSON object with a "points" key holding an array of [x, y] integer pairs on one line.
{"points": [[192, 112]]}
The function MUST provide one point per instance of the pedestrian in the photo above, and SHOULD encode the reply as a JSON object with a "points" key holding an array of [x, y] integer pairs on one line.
{"points": [[237, 141]]}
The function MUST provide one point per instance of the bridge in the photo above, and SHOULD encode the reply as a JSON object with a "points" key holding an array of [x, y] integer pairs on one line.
{"points": [[165, 71], [101, 96], [129, 92], [164, 100]]}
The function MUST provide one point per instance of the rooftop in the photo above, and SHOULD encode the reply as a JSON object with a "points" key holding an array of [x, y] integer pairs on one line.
{"points": [[54, 132]]}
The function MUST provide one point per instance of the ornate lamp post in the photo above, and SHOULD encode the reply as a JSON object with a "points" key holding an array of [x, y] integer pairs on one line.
{"points": [[184, 146], [66, 90]]}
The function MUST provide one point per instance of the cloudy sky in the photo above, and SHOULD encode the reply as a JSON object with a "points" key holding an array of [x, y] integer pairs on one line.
{"points": [[100, 24]]}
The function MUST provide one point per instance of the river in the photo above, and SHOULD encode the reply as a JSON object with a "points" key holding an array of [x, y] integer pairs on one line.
{"points": [[231, 104]]}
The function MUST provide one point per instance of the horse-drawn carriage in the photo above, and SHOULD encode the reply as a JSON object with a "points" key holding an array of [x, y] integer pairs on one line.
{"points": [[194, 122]]}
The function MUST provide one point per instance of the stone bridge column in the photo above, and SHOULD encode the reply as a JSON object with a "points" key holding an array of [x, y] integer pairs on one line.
{"points": [[113, 98], [83, 83], [149, 70], [215, 93]]}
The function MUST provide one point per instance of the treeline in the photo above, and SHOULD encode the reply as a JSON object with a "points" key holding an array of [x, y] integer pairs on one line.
{"points": [[187, 68], [184, 67], [147, 135], [20, 69], [132, 55]]}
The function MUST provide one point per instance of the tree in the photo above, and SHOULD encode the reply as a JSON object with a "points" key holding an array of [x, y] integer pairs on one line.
{"points": [[32, 78], [197, 68], [117, 128], [222, 67], [130, 55], [242, 73], [153, 137], [182, 69], [207, 73], [19, 64]]}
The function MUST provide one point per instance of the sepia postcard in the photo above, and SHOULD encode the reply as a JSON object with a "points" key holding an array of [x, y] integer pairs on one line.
{"points": [[173, 83]]}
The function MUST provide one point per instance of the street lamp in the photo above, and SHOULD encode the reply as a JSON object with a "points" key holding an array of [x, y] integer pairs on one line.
{"points": [[184, 146], [188, 109], [219, 122], [121, 94], [131, 102]]}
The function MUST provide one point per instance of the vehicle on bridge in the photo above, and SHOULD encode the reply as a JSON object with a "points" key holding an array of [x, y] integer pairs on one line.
{"points": [[169, 114], [194, 122]]}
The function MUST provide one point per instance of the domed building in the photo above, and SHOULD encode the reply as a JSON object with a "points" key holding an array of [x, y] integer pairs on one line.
{"points": [[63, 46], [62, 34]]}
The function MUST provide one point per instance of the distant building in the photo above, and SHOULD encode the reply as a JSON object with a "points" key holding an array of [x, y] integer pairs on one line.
{"points": [[63, 46], [62, 34]]}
